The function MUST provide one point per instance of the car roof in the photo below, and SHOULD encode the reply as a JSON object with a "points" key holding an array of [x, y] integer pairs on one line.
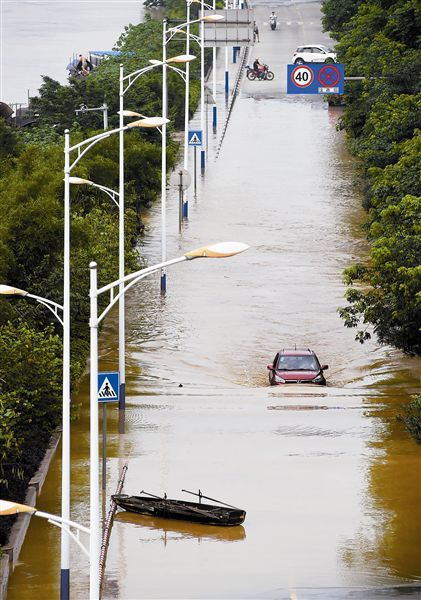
{"points": [[296, 351], [318, 45]]}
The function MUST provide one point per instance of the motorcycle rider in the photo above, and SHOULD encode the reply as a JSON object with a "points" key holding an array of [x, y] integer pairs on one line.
{"points": [[258, 68], [272, 20]]}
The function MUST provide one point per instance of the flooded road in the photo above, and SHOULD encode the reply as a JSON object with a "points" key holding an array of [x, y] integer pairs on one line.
{"points": [[328, 477]]}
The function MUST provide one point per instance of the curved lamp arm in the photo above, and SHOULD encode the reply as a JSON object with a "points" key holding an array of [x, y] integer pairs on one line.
{"points": [[132, 77], [7, 290], [219, 250], [90, 142], [110, 192], [13, 508], [207, 19]]}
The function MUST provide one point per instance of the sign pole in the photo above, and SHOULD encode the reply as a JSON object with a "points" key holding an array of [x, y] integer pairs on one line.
{"points": [[226, 65], [207, 133], [195, 177], [104, 445], [108, 390], [180, 200], [196, 139]]}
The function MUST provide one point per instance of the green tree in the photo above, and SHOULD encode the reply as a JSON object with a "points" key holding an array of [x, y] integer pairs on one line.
{"points": [[9, 141], [388, 125], [337, 13], [388, 295], [389, 185], [411, 416]]}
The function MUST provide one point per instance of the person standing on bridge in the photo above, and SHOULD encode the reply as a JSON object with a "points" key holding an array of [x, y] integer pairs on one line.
{"points": [[256, 37]]}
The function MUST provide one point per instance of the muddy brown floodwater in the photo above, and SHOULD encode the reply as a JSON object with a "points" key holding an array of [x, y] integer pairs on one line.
{"points": [[329, 478]]}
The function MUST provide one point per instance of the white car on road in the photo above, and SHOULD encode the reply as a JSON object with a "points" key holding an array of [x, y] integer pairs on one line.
{"points": [[313, 53]]}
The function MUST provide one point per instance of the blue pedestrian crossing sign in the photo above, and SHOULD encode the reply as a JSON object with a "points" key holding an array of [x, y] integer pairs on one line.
{"points": [[108, 386], [195, 137]]}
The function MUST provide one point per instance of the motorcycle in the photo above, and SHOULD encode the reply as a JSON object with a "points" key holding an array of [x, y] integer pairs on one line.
{"points": [[273, 24], [264, 75]]}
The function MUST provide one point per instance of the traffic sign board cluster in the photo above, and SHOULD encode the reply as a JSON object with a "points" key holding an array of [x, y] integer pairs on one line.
{"points": [[316, 78]]}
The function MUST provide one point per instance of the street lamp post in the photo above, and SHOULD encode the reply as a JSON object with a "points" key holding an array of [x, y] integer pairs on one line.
{"points": [[187, 112], [226, 65], [126, 81], [202, 87], [81, 148], [168, 35], [221, 250], [203, 19], [164, 159], [214, 110]]}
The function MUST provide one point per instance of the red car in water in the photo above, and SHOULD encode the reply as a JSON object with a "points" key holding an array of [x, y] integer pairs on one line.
{"points": [[296, 366]]}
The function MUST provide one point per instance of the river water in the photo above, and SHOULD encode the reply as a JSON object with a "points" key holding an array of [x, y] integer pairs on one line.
{"points": [[328, 476], [39, 37]]}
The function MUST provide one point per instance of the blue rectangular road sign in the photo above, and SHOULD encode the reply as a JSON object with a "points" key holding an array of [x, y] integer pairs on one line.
{"points": [[195, 137], [108, 386], [315, 78]]}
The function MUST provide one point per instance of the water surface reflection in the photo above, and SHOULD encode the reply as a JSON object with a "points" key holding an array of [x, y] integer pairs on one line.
{"points": [[167, 530]]}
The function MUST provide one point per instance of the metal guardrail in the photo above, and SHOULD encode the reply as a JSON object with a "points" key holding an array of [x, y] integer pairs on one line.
{"points": [[234, 94], [108, 525], [240, 72]]}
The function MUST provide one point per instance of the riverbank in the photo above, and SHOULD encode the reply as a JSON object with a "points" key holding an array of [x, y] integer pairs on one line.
{"points": [[17, 535]]}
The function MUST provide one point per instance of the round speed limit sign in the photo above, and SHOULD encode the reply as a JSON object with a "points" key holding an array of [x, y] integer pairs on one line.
{"points": [[302, 76]]}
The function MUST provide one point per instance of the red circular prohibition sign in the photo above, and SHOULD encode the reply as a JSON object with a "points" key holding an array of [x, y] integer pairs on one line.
{"points": [[307, 70], [329, 76]]}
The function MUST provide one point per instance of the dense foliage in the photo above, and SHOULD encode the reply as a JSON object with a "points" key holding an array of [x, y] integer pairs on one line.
{"points": [[411, 417], [379, 40], [31, 233]]}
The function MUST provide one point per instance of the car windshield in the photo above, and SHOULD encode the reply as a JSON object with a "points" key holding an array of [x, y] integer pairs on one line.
{"points": [[326, 49], [297, 363]]}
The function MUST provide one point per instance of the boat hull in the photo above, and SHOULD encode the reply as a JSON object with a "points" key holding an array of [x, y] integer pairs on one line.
{"points": [[167, 508]]}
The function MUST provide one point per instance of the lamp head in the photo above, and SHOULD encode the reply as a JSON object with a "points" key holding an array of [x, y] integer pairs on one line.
{"points": [[220, 250], [181, 58], [129, 113], [8, 290], [79, 181], [212, 18], [149, 122], [13, 508]]}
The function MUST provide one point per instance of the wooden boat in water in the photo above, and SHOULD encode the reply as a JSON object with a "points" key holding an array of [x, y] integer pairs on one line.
{"points": [[221, 514]]}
